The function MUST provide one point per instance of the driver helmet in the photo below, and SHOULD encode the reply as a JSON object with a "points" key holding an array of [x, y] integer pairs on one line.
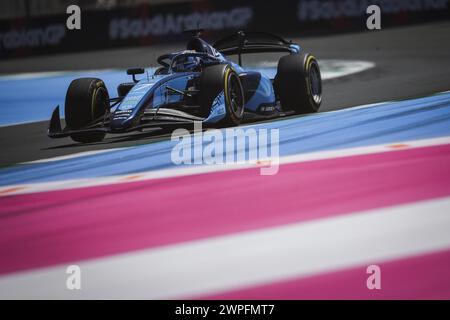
{"points": [[186, 63]]}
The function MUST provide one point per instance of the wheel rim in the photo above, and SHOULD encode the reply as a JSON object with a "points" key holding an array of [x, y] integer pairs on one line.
{"points": [[315, 83], [100, 103], [235, 95]]}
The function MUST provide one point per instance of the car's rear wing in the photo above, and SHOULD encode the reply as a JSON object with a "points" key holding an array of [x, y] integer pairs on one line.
{"points": [[254, 42]]}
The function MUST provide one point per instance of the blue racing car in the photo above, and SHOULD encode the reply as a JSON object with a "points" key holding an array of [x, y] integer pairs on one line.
{"points": [[197, 84]]}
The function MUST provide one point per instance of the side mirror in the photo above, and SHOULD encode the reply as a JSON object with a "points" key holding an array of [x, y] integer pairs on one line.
{"points": [[134, 71]]}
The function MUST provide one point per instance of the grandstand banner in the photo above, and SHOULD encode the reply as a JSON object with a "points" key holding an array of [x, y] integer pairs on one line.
{"points": [[147, 25]]}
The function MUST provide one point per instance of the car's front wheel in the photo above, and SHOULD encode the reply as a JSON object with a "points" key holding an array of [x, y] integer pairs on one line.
{"points": [[87, 99], [218, 79]]}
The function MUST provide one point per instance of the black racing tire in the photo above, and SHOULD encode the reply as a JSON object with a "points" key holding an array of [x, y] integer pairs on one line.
{"points": [[298, 83], [222, 78], [87, 99]]}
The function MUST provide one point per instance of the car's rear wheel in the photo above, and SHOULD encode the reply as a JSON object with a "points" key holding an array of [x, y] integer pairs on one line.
{"points": [[298, 83], [217, 79], [87, 99]]}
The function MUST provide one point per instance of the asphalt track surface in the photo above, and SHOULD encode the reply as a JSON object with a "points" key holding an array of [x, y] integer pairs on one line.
{"points": [[410, 62]]}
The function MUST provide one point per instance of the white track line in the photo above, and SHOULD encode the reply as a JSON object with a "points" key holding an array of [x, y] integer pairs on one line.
{"points": [[331, 69], [186, 170], [249, 258]]}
